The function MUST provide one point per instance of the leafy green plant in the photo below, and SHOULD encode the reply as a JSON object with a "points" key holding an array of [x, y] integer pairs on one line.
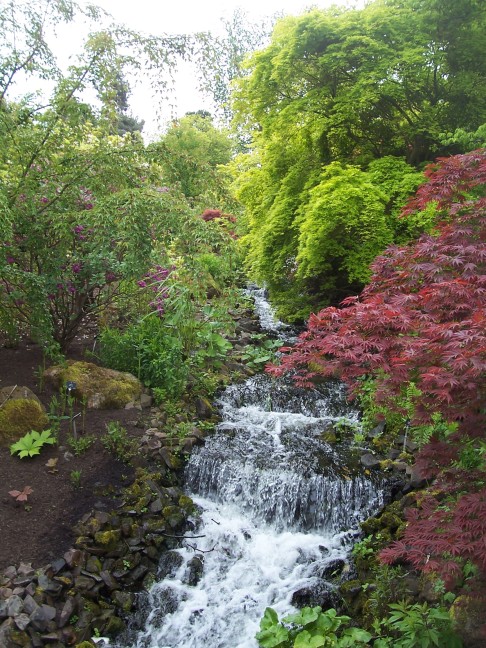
{"points": [[257, 355], [150, 351], [32, 443], [81, 444], [117, 441], [75, 478], [309, 628], [364, 549], [438, 427], [418, 626]]}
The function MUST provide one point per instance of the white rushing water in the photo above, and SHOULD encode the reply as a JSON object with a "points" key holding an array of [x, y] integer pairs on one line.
{"points": [[247, 567], [278, 507]]}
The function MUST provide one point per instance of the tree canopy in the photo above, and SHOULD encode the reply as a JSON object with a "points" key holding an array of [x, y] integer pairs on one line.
{"points": [[394, 84]]}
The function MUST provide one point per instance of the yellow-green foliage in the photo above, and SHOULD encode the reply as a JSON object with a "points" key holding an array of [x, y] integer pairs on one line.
{"points": [[103, 388], [19, 416]]}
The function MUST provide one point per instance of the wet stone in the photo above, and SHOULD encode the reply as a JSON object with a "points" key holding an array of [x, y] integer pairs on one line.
{"points": [[194, 571], [332, 569], [169, 564], [369, 460]]}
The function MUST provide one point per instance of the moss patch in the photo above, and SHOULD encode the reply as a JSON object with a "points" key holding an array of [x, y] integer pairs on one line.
{"points": [[101, 388], [19, 416]]}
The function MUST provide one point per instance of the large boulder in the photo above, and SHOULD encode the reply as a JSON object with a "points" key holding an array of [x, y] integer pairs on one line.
{"points": [[102, 388], [20, 412]]}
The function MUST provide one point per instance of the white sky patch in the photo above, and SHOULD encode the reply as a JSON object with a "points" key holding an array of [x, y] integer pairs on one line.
{"points": [[170, 18]]}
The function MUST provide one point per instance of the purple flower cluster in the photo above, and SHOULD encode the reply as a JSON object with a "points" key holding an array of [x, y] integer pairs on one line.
{"points": [[86, 198], [81, 232], [154, 279]]}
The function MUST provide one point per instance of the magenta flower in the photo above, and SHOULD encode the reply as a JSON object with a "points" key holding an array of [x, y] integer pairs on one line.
{"points": [[44, 200], [76, 267], [142, 283], [10, 259]]}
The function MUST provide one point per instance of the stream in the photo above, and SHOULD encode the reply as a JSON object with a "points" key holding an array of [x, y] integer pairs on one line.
{"points": [[279, 509]]}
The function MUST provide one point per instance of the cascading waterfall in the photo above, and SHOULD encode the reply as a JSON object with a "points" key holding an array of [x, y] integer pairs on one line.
{"points": [[279, 506]]}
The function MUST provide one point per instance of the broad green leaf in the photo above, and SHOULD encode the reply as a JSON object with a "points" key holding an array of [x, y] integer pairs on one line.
{"points": [[270, 618], [273, 637], [306, 616], [305, 640]]}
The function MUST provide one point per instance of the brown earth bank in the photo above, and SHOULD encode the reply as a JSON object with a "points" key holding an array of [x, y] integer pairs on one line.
{"points": [[40, 529]]}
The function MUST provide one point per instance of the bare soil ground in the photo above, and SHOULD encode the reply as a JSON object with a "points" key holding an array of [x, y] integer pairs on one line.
{"points": [[40, 529]]}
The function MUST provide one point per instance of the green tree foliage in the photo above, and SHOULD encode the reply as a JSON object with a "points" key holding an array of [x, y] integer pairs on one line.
{"points": [[315, 239], [378, 90], [83, 210], [193, 148]]}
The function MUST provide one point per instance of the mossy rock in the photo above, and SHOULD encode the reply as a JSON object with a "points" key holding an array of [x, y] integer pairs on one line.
{"points": [[467, 614], [20, 412], [108, 539], [85, 644], [102, 388], [186, 503]]}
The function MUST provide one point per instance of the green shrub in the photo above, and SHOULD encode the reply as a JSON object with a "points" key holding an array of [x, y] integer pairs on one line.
{"points": [[148, 350]]}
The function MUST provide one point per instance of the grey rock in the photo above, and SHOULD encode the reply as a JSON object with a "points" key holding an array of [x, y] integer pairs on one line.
{"points": [[146, 401], [194, 571], [6, 630], [15, 606], [11, 572], [110, 582], [377, 430], [30, 604], [204, 409], [401, 466], [74, 557], [369, 460], [416, 479], [22, 621], [66, 612], [41, 616], [3, 610], [138, 573], [57, 565], [169, 564], [156, 506]]}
